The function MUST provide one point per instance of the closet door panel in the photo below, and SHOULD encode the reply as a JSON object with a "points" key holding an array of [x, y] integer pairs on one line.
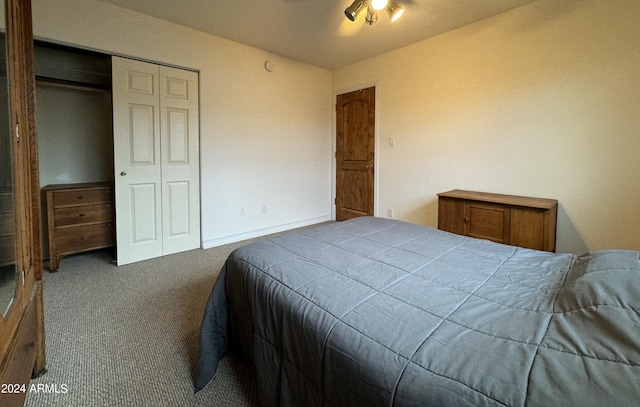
{"points": [[137, 161], [178, 210], [178, 134], [144, 228], [142, 141], [139, 81], [180, 159]]}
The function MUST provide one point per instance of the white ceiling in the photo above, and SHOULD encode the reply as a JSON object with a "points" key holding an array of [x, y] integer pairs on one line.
{"points": [[316, 31]]}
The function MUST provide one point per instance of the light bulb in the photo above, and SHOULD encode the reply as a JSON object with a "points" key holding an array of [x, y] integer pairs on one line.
{"points": [[379, 4], [394, 10], [397, 14]]}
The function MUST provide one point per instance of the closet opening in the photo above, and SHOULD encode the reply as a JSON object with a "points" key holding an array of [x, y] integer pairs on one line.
{"points": [[75, 148]]}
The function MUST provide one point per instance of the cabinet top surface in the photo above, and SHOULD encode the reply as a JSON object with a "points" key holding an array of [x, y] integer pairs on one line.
{"points": [[542, 203], [52, 187]]}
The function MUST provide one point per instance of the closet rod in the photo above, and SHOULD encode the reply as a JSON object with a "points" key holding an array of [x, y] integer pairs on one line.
{"points": [[71, 85]]}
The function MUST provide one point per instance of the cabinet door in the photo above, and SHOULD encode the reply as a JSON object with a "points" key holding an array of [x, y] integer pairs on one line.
{"points": [[487, 221], [451, 215], [528, 228]]}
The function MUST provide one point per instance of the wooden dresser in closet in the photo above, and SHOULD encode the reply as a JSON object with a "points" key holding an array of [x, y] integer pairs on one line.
{"points": [[80, 218], [509, 219]]}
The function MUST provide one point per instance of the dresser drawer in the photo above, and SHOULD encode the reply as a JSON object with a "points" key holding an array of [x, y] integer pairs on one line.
{"points": [[82, 197], [85, 214], [85, 237]]}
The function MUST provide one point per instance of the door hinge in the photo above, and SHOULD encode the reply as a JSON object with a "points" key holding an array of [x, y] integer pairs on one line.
{"points": [[18, 133]]}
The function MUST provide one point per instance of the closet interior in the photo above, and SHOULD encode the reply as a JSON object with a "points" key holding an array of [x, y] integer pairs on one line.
{"points": [[74, 121]]}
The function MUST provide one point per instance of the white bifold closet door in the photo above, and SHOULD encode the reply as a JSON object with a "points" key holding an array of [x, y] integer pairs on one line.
{"points": [[156, 160]]}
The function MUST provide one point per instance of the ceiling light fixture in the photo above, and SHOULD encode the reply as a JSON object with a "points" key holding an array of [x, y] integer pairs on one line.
{"points": [[372, 15], [390, 6], [354, 9], [394, 10]]}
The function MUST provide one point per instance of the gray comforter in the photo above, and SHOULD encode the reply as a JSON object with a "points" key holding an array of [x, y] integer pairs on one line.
{"points": [[376, 312]]}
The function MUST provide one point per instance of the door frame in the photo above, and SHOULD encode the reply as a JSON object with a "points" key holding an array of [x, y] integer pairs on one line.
{"points": [[334, 146]]}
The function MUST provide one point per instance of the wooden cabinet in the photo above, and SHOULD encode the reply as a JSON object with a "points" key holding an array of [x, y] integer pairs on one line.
{"points": [[509, 219], [22, 341], [80, 217]]}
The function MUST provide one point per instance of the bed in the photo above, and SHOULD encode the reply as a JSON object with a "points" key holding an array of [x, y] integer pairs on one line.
{"points": [[379, 312]]}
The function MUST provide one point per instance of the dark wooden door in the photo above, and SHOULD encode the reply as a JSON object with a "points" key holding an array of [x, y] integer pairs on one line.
{"points": [[355, 151]]}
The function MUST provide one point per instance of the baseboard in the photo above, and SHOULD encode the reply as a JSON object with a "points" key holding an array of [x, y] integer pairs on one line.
{"points": [[209, 243]]}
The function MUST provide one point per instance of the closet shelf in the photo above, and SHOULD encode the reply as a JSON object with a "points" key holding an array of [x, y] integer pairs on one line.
{"points": [[60, 83]]}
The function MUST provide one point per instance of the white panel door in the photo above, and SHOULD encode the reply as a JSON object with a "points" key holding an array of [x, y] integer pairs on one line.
{"points": [[137, 160], [180, 159], [156, 160]]}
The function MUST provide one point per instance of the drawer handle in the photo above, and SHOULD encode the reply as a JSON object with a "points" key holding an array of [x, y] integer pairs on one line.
{"points": [[82, 215], [80, 196]]}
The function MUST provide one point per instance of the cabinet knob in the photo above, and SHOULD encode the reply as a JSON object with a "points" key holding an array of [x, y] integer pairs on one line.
{"points": [[466, 219], [123, 173]]}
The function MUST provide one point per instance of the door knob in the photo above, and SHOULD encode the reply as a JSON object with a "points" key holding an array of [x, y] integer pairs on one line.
{"points": [[369, 166], [123, 173]]}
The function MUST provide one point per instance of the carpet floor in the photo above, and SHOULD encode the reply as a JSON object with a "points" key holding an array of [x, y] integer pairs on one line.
{"points": [[129, 335]]}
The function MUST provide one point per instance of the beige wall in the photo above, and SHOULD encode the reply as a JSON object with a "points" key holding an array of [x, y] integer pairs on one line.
{"points": [[265, 137], [541, 101]]}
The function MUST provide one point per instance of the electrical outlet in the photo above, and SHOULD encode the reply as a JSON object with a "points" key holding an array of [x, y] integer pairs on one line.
{"points": [[389, 213], [242, 212], [263, 209]]}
